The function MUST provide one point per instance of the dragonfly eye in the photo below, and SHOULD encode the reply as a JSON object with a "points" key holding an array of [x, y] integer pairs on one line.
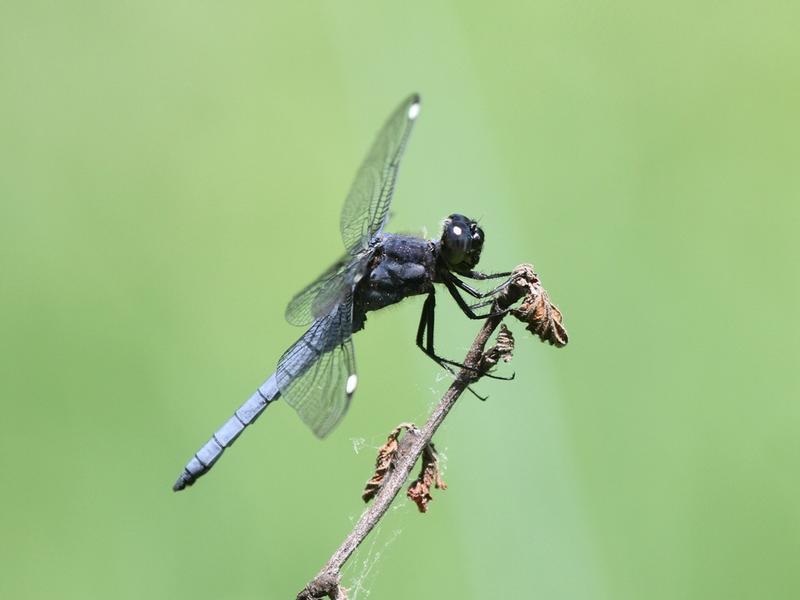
{"points": [[462, 242]]}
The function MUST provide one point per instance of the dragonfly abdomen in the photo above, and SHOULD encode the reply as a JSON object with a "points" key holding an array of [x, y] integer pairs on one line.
{"points": [[224, 437]]}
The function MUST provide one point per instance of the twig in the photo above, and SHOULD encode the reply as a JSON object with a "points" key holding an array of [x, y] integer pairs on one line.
{"points": [[412, 445]]}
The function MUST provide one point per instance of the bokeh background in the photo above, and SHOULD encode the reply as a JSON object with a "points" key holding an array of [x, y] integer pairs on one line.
{"points": [[172, 172]]}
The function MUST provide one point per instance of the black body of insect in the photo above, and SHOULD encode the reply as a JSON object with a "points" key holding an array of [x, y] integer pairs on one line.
{"points": [[317, 374]]}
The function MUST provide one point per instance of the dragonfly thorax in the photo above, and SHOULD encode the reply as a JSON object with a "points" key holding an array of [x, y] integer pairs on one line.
{"points": [[461, 244]]}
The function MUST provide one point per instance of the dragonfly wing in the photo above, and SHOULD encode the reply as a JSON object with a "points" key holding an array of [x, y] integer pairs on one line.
{"points": [[365, 211], [317, 374], [318, 298]]}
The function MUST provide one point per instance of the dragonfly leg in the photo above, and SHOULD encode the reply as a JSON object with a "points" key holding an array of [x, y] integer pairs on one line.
{"points": [[481, 276], [425, 331], [481, 304], [475, 293], [451, 287]]}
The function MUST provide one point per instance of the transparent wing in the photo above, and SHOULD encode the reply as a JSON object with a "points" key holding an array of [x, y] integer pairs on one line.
{"points": [[332, 285], [317, 375], [319, 297], [365, 210]]}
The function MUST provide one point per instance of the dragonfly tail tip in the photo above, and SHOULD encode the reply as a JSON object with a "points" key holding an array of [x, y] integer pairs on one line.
{"points": [[182, 482]]}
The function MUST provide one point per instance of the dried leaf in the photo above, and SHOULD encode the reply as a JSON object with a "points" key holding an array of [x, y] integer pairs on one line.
{"points": [[386, 455], [542, 316], [502, 350], [420, 489]]}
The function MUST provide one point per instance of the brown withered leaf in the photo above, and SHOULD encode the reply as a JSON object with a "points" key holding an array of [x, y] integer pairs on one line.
{"points": [[386, 455], [503, 349], [542, 316], [420, 489]]}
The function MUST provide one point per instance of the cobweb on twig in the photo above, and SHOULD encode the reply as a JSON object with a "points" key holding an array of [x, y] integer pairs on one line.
{"points": [[358, 444], [365, 562]]}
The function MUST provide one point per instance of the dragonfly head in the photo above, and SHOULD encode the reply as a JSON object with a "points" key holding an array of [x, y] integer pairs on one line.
{"points": [[462, 242]]}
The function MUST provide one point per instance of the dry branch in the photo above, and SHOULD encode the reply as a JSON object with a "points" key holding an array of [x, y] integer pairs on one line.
{"points": [[397, 459]]}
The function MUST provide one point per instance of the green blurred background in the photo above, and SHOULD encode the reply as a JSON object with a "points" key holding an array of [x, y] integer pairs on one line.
{"points": [[171, 173]]}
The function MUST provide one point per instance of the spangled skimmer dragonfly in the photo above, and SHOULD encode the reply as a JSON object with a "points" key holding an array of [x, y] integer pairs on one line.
{"points": [[317, 374]]}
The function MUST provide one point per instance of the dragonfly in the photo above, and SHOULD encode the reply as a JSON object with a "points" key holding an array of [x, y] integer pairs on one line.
{"points": [[317, 374]]}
